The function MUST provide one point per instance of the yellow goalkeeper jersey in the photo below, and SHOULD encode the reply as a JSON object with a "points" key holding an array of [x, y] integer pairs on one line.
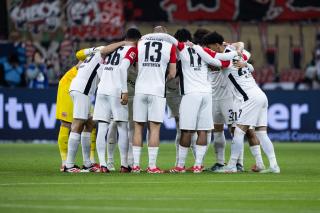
{"points": [[64, 106]]}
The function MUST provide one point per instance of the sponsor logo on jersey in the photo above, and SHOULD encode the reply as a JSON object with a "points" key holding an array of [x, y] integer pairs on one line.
{"points": [[132, 55]]}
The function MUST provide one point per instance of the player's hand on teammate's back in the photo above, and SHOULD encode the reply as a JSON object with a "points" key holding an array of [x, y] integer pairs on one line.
{"points": [[189, 43], [124, 98], [239, 64]]}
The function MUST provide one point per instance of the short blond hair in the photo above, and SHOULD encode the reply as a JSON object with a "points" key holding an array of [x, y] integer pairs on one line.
{"points": [[160, 29]]}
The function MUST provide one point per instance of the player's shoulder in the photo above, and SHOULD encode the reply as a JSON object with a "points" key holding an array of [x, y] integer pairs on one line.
{"points": [[154, 39]]}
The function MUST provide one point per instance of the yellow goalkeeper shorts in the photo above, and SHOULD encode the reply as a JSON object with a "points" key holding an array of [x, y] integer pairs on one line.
{"points": [[64, 106]]}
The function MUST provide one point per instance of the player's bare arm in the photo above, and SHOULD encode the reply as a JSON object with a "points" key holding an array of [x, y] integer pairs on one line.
{"points": [[172, 71], [238, 45], [221, 56], [125, 64], [112, 47], [206, 57]]}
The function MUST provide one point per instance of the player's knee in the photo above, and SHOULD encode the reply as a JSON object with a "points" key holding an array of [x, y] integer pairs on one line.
{"points": [[77, 126], [138, 127], [202, 138], [89, 126], [261, 128], [218, 128], [122, 127], [252, 138]]}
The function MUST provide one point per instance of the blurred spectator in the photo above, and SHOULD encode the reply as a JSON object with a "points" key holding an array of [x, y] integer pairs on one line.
{"points": [[36, 74], [19, 47], [13, 71], [2, 82], [312, 74]]}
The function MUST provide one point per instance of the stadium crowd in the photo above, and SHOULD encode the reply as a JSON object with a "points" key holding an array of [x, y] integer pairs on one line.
{"points": [[19, 70], [28, 66]]}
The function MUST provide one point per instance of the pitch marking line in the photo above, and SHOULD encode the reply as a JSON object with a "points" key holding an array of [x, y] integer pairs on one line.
{"points": [[139, 198], [131, 208], [163, 182]]}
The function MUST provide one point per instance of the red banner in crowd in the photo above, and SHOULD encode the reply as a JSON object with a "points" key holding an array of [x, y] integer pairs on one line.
{"points": [[280, 10], [84, 20], [222, 10], [95, 19], [35, 15]]}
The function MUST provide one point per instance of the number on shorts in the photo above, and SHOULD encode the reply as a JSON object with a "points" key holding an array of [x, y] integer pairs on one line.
{"points": [[231, 115], [240, 111]]}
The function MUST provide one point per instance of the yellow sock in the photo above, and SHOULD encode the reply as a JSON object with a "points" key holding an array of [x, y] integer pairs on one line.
{"points": [[93, 145], [63, 142]]}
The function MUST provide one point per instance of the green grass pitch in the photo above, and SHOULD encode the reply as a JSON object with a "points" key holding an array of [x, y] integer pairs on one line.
{"points": [[30, 182]]}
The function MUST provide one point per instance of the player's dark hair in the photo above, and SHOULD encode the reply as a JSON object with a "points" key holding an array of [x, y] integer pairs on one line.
{"points": [[183, 35], [213, 38], [199, 34], [133, 34]]}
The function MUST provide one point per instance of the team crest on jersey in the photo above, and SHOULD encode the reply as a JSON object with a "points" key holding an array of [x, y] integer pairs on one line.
{"points": [[64, 114]]}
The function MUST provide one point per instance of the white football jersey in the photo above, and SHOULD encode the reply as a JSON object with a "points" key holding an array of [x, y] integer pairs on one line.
{"points": [[113, 76], [87, 79], [194, 71], [153, 58], [219, 85], [221, 88], [241, 80]]}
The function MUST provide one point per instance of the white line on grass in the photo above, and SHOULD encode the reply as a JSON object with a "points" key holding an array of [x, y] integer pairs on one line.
{"points": [[161, 182], [167, 198], [131, 208]]}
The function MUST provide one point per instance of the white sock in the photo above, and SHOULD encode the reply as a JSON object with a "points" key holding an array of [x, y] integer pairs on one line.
{"points": [[183, 152], [236, 146], [194, 138], [240, 160], [123, 142], [219, 141], [177, 141], [153, 154], [136, 150], [209, 137], [111, 141], [147, 137], [267, 147], [73, 143], [86, 143], [256, 152], [130, 135], [101, 143], [200, 152]]}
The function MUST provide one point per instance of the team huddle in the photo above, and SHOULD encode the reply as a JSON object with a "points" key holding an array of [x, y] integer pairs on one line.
{"points": [[206, 84]]}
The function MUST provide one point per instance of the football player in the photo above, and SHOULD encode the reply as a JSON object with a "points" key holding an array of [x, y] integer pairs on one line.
{"points": [[112, 99], [82, 87], [154, 57], [254, 104]]}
